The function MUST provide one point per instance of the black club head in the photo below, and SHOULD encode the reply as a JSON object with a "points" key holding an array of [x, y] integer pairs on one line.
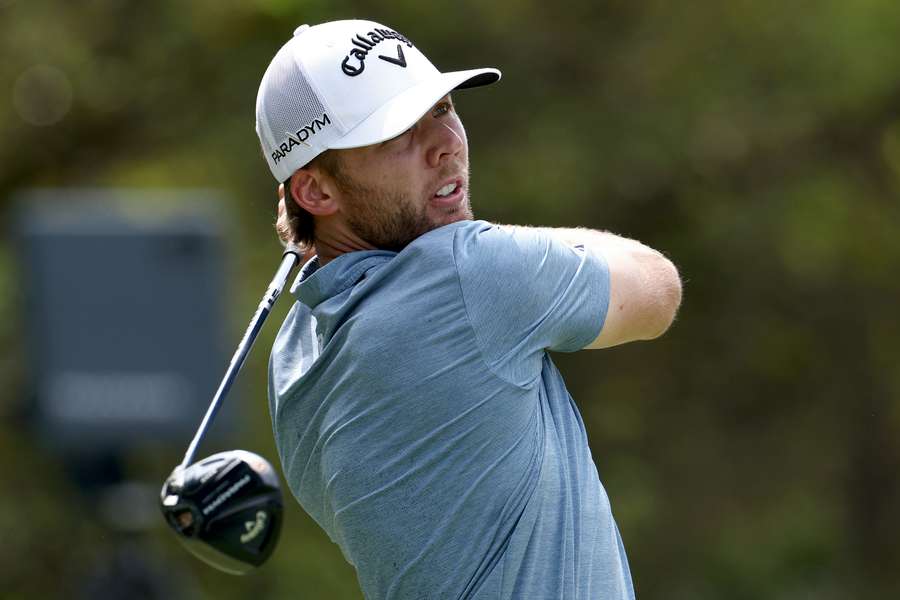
{"points": [[226, 509]]}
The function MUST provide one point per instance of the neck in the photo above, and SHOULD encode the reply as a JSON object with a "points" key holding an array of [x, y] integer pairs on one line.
{"points": [[334, 238]]}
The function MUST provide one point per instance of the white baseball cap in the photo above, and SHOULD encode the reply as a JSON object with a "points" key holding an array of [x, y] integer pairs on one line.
{"points": [[346, 84]]}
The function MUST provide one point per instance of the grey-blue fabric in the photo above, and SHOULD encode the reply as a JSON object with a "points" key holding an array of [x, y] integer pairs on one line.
{"points": [[421, 423]]}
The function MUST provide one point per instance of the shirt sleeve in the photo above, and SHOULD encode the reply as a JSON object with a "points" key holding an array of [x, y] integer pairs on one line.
{"points": [[526, 292]]}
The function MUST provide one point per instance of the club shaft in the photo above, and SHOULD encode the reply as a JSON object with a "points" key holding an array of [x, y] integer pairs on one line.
{"points": [[288, 262]]}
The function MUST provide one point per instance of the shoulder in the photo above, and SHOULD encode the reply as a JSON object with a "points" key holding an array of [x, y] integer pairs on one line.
{"points": [[484, 246], [449, 245], [483, 239], [448, 235]]}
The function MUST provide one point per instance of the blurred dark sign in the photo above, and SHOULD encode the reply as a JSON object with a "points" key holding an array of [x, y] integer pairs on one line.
{"points": [[124, 305]]}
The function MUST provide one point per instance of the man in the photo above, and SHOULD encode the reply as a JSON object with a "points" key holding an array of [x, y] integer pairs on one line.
{"points": [[417, 414]]}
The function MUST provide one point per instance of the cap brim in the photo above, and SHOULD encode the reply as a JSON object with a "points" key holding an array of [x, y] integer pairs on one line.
{"points": [[404, 109]]}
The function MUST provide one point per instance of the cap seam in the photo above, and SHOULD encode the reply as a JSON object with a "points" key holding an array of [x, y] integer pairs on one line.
{"points": [[315, 87]]}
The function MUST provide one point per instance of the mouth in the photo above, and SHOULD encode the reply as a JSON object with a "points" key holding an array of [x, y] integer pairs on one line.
{"points": [[450, 194]]}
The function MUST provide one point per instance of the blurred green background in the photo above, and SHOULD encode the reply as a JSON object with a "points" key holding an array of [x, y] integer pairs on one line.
{"points": [[752, 452]]}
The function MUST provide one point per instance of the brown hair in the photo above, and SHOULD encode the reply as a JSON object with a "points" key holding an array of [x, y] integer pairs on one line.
{"points": [[295, 224]]}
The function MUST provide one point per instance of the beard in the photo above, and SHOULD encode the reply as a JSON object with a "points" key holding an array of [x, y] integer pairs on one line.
{"points": [[389, 219]]}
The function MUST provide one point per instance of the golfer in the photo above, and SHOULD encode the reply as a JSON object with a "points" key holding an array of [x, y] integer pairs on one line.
{"points": [[417, 412]]}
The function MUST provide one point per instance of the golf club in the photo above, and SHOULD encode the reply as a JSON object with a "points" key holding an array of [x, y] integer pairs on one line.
{"points": [[226, 509]]}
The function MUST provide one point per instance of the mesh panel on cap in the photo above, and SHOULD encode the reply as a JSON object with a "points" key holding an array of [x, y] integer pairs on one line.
{"points": [[289, 102]]}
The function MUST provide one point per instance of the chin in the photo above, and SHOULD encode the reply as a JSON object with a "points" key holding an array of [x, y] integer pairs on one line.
{"points": [[452, 215]]}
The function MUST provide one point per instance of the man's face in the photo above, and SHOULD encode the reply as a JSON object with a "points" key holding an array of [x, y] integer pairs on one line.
{"points": [[393, 192]]}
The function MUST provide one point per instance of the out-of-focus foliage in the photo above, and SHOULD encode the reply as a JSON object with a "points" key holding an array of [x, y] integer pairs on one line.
{"points": [[753, 452]]}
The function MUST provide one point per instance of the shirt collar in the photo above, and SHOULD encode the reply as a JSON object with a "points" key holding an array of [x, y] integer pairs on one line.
{"points": [[316, 283]]}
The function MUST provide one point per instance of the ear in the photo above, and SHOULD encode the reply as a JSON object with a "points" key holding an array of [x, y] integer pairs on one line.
{"points": [[313, 192]]}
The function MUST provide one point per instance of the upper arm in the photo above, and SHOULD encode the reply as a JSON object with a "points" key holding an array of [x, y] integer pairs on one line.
{"points": [[645, 292]]}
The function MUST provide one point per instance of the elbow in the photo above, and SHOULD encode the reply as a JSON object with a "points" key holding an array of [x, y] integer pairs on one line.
{"points": [[644, 299], [666, 298]]}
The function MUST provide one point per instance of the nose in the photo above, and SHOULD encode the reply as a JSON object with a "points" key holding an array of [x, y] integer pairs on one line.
{"points": [[447, 139]]}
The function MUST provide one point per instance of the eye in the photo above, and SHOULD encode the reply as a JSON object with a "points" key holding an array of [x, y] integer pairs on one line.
{"points": [[442, 108]]}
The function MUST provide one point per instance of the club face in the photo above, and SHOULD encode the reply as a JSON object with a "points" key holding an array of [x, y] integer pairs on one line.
{"points": [[226, 509]]}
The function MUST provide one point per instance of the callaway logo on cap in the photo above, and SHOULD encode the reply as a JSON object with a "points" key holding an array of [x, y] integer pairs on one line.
{"points": [[346, 84]]}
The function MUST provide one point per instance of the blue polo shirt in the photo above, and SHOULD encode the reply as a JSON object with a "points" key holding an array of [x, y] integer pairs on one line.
{"points": [[421, 423]]}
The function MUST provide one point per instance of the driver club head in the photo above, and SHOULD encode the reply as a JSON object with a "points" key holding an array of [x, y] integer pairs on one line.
{"points": [[226, 509]]}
